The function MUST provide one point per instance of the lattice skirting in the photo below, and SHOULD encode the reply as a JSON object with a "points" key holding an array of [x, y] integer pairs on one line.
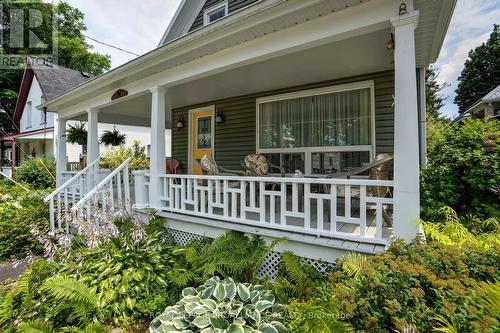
{"points": [[269, 268]]}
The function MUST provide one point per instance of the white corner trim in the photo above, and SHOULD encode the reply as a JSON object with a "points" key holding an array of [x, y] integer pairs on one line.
{"points": [[410, 18]]}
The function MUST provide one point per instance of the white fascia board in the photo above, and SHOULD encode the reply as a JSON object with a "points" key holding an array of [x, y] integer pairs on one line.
{"points": [[182, 19], [447, 10], [351, 22]]}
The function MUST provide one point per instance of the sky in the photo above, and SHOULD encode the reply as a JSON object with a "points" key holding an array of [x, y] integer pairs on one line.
{"points": [[138, 25]]}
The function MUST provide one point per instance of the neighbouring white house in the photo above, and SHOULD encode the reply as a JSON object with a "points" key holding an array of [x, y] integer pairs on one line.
{"points": [[330, 95], [35, 135], [488, 106]]}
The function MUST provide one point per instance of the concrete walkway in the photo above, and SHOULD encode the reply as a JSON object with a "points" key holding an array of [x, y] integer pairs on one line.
{"points": [[8, 271]]}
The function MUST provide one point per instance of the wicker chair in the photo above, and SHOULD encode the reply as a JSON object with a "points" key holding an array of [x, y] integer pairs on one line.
{"points": [[210, 167], [380, 169], [258, 165]]}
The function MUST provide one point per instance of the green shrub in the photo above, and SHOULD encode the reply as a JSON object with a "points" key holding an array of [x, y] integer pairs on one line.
{"points": [[129, 273], [112, 158], [20, 211], [463, 169], [233, 254], [412, 285], [222, 306], [38, 172]]}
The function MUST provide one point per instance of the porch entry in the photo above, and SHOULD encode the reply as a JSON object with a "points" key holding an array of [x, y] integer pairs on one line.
{"points": [[201, 129]]}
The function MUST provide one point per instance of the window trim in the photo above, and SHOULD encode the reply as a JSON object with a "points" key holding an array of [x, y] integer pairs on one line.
{"points": [[218, 6], [308, 151]]}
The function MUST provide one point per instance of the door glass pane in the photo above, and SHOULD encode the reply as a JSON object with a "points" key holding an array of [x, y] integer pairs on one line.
{"points": [[335, 119], [327, 163], [204, 135]]}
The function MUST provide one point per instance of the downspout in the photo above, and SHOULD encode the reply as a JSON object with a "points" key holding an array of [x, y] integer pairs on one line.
{"points": [[422, 115]]}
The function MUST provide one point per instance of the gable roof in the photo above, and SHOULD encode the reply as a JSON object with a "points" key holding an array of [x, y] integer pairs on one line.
{"points": [[183, 20], [491, 97], [53, 80]]}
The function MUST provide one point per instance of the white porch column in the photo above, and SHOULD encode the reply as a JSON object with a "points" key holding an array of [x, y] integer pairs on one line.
{"points": [[406, 140], [92, 136], [60, 143], [159, 107]]}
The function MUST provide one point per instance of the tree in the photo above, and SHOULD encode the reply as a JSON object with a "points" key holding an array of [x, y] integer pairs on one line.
{"points": [[435, 100], [481, 72], [73, 51]]}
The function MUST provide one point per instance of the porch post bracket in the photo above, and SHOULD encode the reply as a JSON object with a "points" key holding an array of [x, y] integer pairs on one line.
{"points": [[406, 124]]}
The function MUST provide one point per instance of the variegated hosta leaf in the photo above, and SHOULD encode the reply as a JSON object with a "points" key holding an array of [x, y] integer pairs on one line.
{"points": [[222, 306]]}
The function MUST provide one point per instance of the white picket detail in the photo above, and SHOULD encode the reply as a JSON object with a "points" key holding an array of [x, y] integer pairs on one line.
{"points": [[75, 186], [110, 195], [305, 205]]}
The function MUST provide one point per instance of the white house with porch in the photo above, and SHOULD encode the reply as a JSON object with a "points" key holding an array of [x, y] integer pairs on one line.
{"points": [[330, 94]]}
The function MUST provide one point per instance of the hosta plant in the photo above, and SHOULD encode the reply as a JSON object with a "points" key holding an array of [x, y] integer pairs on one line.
{"points": [[220, 306]]}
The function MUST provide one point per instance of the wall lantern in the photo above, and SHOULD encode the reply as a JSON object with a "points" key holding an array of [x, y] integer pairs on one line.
{"points": [[180, 122], [219, 117]]}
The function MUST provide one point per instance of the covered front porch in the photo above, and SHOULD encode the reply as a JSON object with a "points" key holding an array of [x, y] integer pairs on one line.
{"points": [[320, 97]]}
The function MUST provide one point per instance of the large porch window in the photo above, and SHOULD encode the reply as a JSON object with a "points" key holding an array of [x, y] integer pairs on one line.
{"points": [[318, 131]]}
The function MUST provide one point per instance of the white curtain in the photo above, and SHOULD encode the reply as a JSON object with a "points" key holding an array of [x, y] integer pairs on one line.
{"points": [[337, 119]]}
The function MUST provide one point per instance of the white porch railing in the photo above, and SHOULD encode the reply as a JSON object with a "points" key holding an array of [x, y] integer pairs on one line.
{"points": [[112, 193], [340, 208], [69, 193]]}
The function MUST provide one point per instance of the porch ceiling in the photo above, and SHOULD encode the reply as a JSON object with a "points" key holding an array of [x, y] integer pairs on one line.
{"points": [[347, 58]]}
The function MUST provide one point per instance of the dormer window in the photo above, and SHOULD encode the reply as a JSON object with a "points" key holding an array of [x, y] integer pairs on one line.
{"points": [[215, 13]]}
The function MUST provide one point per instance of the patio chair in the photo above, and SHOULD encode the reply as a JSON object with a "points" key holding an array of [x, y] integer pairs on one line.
{"points": [[172, 165], [210, 167], [258, 165], [380, 169]]}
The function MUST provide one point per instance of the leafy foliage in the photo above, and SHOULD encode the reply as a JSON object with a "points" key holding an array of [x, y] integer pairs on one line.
{"points": [[20, 211], [463, 169], [38, 172], [128, 273], [468, 231], [481, 72], [317, 315], [410, 285], [76, 134], [113, 138], [434, 98], [233, 254], [222, 306], [296, 279], [112, 158]]}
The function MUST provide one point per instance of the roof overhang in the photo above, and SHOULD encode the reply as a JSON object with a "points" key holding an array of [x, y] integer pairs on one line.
{"points": [[178, 60]]}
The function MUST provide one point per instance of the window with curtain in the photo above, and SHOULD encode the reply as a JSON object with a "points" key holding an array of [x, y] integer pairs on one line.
{"points": [[327, 123]]}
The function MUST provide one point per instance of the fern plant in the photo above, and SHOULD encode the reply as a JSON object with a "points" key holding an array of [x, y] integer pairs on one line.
{"points": [[233, 254], [352, 263], [112, 138], [76, 134], [453, 232], [296, 279]]}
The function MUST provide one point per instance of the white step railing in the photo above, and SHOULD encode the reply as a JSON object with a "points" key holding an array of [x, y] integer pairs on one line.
{"points": [[69, 193], [112, 193], [350, 209]]}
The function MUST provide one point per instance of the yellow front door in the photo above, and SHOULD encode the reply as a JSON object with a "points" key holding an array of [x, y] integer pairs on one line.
{"points": [[202, 137]]}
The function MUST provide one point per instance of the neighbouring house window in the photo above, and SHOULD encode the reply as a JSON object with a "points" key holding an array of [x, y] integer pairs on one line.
{"points": [[319, 131], [215, 13], [29, 115]]}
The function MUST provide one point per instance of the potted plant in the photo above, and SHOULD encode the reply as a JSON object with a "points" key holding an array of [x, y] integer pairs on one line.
{"points": [[77, 134], [113, 138]]}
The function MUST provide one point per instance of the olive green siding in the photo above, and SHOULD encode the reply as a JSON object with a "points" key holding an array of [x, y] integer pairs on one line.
{"points": [[236, 136], [232, 6]]}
